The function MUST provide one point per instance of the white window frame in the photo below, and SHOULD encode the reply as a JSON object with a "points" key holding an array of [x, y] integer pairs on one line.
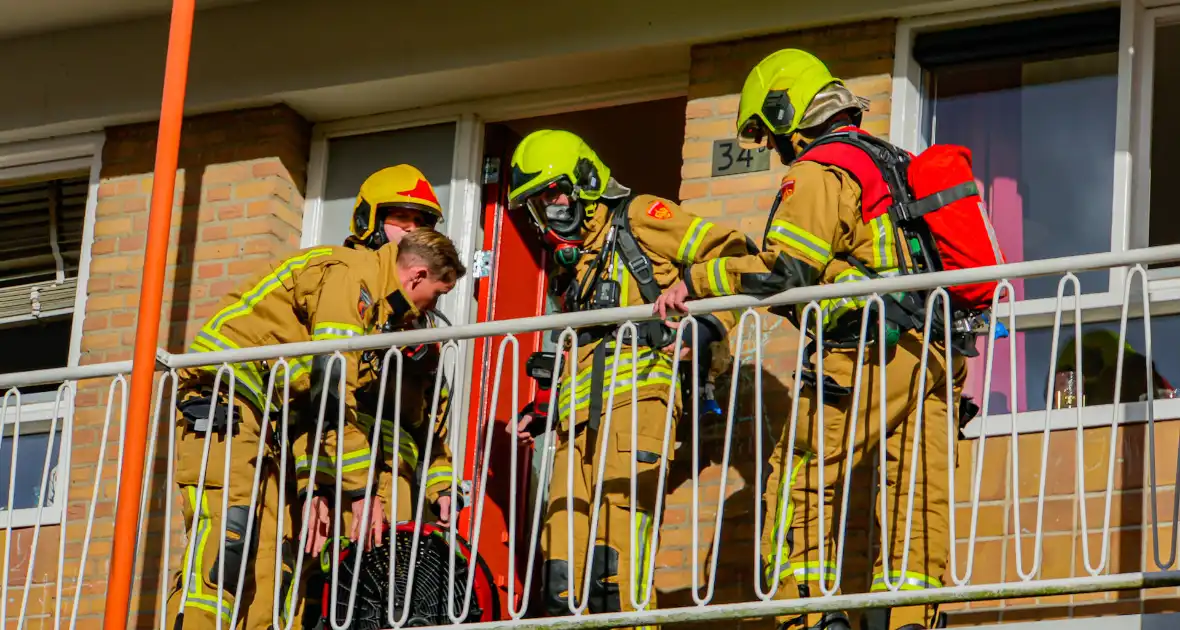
{"points": [[1129, 209], [1147, 21], [47, 158], [36, 417], [464, 206]]}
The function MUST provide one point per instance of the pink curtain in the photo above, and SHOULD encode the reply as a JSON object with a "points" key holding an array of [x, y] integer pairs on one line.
{"points": [[989, 124]]}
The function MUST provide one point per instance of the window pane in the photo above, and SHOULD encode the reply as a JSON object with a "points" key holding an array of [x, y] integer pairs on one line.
{"points": [[30, 463], [35, 345], [352, 159], [1165, 128], [1041, 133], [1099, 356]]}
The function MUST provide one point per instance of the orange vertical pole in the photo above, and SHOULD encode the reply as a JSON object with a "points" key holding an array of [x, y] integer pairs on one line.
{"points": [[147, 329]]}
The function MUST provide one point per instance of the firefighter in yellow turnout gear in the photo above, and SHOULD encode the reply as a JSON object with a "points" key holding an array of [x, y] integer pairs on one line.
{"points": [[616, 249], [391, 203], [319, 293], [790, 100]]}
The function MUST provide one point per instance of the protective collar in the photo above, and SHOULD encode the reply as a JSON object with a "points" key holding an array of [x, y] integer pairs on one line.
{"points": [[391, 286], [831, 100]]}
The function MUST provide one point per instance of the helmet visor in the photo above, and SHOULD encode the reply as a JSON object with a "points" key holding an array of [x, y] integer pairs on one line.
{"points": [[521, 189], [752, 133]]}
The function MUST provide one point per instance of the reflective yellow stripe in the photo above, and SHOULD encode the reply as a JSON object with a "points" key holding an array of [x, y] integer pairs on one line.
{"points": [[910, 581], [646, 371], [652, 367], [643, 527], [210, 339], [249, 378], [440, 474], [197, 597], [353, 461], [723, 276], [690, 245], [814, 571], [643, 359], [833, 309], [408, 450], [406, 445], [784, 499], [884, 248], [300, 366], [335, 330], [718, 276], [803, 241], [649, 377], [269, 283]]}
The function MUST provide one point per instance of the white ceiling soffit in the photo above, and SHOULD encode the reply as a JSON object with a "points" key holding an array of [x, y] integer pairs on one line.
{"points": [[473, 84]]}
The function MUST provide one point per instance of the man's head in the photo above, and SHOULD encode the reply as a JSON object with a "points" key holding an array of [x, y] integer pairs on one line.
{"points": [[392, 202], [427, 266], [788, 94], [559, 179]]}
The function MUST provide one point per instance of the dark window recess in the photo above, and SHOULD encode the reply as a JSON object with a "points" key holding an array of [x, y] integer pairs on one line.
{"points": [[37, 345], [1042, 37]]}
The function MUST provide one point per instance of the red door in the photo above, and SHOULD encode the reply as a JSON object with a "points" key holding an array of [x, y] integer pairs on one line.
{"points": [[514, 286]]}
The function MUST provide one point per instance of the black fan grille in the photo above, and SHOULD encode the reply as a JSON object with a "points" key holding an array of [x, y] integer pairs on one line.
{"points": [[429, 597]]}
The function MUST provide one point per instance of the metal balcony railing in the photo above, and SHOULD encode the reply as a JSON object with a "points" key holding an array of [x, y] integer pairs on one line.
{"points": [[53, 583]]}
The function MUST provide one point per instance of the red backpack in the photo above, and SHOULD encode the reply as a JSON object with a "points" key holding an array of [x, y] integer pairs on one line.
{"points": [[932, 198]]}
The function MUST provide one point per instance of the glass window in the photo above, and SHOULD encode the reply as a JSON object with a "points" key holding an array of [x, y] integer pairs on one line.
{"points": [[32, 449], [1099, 360], [1035, 102], [351, 159]]}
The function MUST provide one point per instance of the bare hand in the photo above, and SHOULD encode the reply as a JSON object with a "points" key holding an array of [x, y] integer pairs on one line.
{"points": [[319, 521], [520, 430], [444, 510], [672, 300], [376, 533], [685, 349]]}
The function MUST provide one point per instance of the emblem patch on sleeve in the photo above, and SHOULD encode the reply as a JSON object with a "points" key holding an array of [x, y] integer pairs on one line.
{"points": [[659, 211], [788, 188]]}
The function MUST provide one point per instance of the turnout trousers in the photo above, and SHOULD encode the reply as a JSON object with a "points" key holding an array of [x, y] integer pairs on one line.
{"points": [[202, 591], [569, 536], [796, 495]]}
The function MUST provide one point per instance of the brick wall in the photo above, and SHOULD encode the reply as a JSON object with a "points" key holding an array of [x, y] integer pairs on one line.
{"points": [[239, 201]]}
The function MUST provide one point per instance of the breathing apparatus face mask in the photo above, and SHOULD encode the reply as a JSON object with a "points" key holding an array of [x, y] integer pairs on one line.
{"points": [[559, 215]]}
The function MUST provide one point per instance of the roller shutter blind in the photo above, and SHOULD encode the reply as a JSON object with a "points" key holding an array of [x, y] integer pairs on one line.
{"points": [[40, 245], [1040, 37]]}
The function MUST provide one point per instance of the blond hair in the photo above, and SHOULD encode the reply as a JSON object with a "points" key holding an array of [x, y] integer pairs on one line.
{"points": [[433, 249]]}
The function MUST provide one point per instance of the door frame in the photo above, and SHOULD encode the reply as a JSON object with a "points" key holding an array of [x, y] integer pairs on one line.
{"points": [[464, 205]]}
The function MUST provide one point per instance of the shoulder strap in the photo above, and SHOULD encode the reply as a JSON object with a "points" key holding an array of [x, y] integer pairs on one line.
{"points": [[633, 255], [878, 166]]}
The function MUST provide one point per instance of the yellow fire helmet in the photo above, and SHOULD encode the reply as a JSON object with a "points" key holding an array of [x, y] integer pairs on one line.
{"points": [[776, 94], [1102, 343], [554, 157], [401, 186]]}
